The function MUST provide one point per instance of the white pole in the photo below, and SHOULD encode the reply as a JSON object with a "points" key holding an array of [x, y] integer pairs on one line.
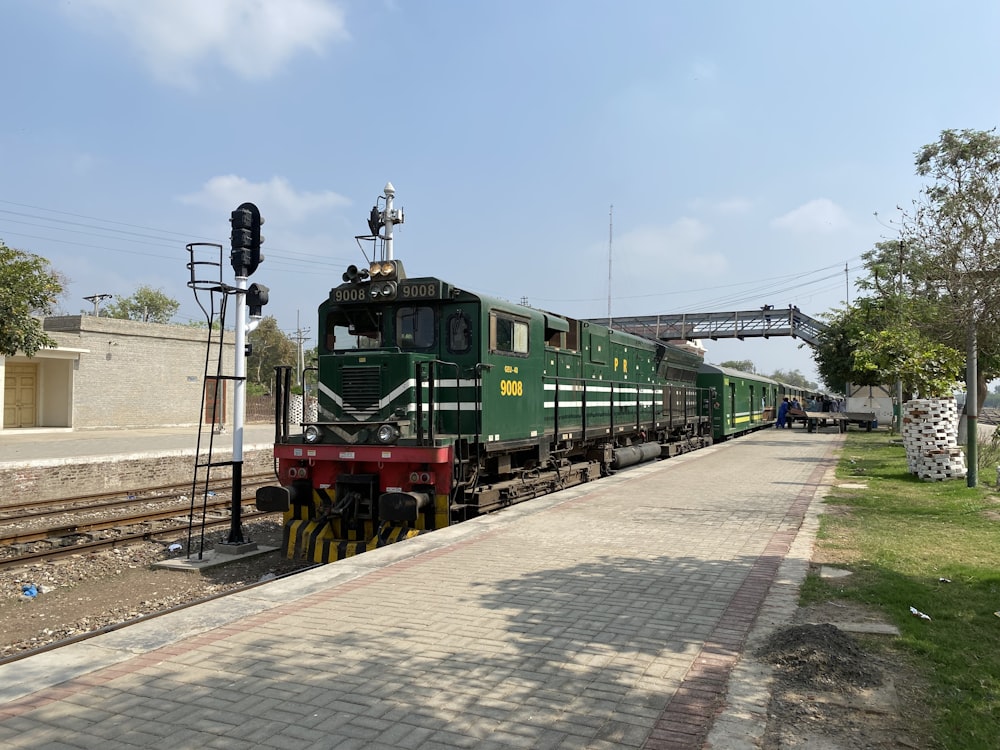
{"points": [[390, 193], [240, 368], [239, 410]]}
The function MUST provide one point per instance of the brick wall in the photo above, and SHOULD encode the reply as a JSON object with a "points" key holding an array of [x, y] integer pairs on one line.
{"points": [[138, 374]]}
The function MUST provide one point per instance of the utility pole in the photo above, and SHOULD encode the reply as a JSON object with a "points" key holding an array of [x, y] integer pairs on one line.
{"points": [[300, 338], [611, 216], [898, 416], [96, 299], [972, 405]]}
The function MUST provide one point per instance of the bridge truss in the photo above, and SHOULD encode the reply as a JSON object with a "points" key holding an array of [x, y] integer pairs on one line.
{"points": [[741, 324]]}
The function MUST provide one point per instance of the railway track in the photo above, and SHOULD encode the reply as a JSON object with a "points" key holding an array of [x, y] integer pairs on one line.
{"points": [[13, 513], [51, 529], [54, 553]]}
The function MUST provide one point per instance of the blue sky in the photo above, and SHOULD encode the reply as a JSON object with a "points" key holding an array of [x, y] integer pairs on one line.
{"points": [[744, 146]]}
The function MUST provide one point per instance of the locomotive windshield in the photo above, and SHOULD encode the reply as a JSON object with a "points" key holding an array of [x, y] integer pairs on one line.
{"points": [[415, 327]]}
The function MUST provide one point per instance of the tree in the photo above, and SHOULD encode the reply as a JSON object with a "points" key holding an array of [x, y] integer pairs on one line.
{"points": [[953, 238], [28, 287], [147, 304], [311, 359], [835, 352], [793, 377], [743, 365], [269, 347], [926, 368]]}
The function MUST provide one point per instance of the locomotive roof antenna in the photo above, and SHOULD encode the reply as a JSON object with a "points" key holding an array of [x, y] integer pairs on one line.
{"points": [[390, 217]]}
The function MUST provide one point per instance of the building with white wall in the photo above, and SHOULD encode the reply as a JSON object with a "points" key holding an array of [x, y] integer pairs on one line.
{"points": [[108, 373]]}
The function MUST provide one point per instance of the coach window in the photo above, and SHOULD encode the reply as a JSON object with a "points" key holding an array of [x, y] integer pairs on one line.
{"points": [[459, 333], [415, 327], [508, 335]]}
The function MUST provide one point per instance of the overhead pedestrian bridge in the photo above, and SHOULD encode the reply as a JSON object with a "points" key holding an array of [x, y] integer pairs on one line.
{"points": [[741, 324]]}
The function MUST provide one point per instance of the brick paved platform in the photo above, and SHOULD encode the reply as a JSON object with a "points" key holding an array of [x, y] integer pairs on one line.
{"points": [[611, 615]]}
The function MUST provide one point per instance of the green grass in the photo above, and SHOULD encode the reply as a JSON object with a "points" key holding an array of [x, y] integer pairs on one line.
{"points": [[900, 537]]}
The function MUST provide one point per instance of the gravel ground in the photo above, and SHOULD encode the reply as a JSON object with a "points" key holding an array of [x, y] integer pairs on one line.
{"points": [[86, 592]]}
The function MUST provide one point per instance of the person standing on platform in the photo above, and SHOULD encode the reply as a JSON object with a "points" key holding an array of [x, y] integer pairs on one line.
{"points": [[782, 413]]}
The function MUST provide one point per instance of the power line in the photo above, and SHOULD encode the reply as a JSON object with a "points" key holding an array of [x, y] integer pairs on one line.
{"points": [[91, 218], [769, 285], [288, 259]]}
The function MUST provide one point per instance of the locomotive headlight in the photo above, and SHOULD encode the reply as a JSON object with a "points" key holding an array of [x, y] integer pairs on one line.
{"points": [[388, 289], [311, 434], [382, 270], [387, 433]]}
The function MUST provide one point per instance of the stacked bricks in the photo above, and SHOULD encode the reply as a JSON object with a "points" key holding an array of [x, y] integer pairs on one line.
{"points": [[295, 407], [930, 436]]}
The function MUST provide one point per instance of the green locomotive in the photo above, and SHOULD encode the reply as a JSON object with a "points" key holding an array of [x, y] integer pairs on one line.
{"points": [[448, 404]]}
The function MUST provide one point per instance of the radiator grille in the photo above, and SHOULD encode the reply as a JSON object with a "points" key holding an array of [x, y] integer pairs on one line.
{"points": [[361, 387]]}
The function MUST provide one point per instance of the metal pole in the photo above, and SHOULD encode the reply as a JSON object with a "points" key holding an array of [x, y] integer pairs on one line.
{"points": [[300, 366], [972, 408], [897, 417], [611, 217], [239, 410], [389, 191]]}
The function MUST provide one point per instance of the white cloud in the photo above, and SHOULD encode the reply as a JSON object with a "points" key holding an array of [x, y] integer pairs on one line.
{"points": [[734, 206], [652, 251], [276, 198], [252, 38], [820, 215]]}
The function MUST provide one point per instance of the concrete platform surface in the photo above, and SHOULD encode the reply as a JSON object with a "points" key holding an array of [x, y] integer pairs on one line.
{"points": [[19, 446], [611, 615]]}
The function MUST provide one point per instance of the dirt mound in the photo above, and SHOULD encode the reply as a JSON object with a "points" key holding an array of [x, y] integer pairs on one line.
{"points": [[820, 657]]}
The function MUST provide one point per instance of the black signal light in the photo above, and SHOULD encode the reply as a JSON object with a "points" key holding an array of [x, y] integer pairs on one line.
{"points": [[246, 239]]}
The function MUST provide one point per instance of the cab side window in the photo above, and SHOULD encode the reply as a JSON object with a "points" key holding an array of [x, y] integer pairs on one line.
{"points": [[459, 333], [508, 335]]}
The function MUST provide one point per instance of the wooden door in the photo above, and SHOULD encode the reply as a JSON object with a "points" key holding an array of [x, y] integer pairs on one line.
{"points": [[19, 395]]}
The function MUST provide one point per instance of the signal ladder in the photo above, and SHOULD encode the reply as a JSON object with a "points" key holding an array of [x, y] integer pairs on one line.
{"points": [[212, 295]]}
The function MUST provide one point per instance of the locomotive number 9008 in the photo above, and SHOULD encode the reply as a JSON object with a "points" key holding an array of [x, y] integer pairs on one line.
{"points": [[350, 294], [511, 388], [425, 290]]}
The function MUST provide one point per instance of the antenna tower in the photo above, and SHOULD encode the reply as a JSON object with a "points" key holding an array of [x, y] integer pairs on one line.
{"points": [[611, 213]]}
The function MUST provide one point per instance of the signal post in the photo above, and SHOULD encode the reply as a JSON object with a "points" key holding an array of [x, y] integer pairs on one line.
{"points": [[244, 257]]}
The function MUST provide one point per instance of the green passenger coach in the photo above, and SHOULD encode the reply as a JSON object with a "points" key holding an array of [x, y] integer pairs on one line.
{"points": [[740, 401]]}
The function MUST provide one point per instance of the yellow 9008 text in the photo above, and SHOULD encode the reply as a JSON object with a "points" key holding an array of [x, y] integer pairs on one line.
{"points": [[511, 388]]}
